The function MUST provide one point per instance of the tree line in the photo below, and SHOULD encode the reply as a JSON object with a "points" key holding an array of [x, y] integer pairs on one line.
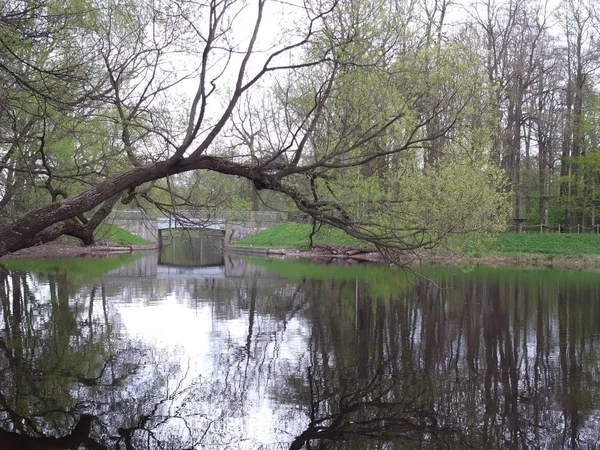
{"points": [[402, 122], [543, 63]]}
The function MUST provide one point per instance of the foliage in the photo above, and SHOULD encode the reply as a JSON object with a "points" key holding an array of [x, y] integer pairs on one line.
{"points": [[371, 117], [427, 207], [402, 186], [297, 235], [49, 149]]}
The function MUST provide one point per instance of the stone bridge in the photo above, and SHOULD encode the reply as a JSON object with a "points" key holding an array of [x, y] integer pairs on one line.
{"points": [[235, 225]]}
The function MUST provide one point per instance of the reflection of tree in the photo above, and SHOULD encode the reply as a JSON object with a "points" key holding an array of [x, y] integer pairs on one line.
{"points": [[247, 370], [471, 361], [191, 248], [498, 360], [360, 389], [382, 407], [489, 363], [66, 379], [500, 363], [578, 349]]}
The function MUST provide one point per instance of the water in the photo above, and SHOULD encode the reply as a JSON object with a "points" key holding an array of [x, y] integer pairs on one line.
{"points": [[281, 354]]}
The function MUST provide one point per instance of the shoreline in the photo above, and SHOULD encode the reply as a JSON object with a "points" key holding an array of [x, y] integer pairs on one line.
{"points": [[533, 260], [61, 250], [351, 255]]}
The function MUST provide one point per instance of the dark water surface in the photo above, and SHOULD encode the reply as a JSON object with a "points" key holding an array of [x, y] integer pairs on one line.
{"points": [[276, 354]]}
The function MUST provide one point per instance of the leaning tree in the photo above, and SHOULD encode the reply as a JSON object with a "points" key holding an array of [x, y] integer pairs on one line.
{"points": [[330, 103]]}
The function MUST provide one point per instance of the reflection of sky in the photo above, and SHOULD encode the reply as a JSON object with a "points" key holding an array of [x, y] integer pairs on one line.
{"points": [[168, 323], [220, 380], [240, 384]]}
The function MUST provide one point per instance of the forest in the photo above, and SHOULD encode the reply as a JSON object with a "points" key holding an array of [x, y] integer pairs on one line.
{"points": [[401, 122]]}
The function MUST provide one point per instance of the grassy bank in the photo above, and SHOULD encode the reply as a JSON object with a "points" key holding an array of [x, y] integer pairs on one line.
{"points": [[113, 234], [548, 246], [296, 236]]}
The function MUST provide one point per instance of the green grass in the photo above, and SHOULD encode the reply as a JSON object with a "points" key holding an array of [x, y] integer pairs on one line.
{"points": [[548, 245], [112, 233], [108, 232], [296, 236]]}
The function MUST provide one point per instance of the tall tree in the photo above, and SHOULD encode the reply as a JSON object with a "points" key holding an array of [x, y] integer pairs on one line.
{"points": [[581, 61], [513, 32], [353, 103]]}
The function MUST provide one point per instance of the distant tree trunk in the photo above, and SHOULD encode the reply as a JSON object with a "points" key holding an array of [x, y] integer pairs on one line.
{"points": [[512, 154], [578, 21]]}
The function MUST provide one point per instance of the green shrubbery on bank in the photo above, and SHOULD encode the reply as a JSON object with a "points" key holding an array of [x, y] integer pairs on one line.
{"points": [[296, 236]]}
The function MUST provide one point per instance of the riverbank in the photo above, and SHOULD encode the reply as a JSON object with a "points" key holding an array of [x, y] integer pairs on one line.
{"points": [[531, 249], [292, 241], [344, 253], [590, 261], [57, 250], [110, 239]]}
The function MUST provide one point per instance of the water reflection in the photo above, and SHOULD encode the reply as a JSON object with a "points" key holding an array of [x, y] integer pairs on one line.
{"points": [[276, 354], [191, 248]]}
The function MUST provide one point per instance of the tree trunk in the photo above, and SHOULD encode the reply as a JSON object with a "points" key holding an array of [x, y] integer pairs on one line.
{"points": [[49, 222]]}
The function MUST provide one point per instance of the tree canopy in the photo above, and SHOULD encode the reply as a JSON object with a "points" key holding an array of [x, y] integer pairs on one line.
{"points": [[378, 118]]}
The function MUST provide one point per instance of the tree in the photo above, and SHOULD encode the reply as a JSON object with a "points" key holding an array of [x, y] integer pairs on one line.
{"points": [[144, 56], [580, 62], [513, 34]]}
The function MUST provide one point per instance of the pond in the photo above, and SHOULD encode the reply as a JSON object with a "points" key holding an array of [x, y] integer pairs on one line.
{"points": [[252, 353]]}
